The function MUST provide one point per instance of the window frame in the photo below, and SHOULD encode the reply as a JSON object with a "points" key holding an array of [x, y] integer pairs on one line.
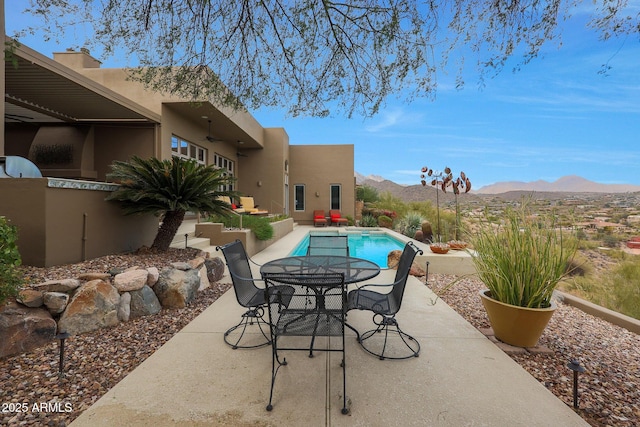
{"points": [[188, 150], [333, 187], [296, 188]]}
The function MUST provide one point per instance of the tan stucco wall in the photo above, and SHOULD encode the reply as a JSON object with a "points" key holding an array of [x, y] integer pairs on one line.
{"points": [[116, 80], [121, 142], [317, 167], [262, 173], [61, 225]]}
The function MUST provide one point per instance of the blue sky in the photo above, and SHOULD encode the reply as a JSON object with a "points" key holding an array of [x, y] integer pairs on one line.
{"points": [[557, 116]]}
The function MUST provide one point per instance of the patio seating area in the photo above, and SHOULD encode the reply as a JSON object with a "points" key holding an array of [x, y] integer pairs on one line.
{"points": [[460, 377]]}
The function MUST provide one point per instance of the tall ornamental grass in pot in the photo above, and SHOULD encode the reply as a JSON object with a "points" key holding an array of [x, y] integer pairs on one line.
{"points": [[521, 261]]}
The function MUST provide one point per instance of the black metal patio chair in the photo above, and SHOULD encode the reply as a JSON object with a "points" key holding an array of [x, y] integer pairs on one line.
{"points": [[328, 245], [316, 308], [248, 295], [384, 307]]}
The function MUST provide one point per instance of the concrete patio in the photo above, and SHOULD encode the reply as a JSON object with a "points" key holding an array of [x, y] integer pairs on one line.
{"points": [[460, 379]]}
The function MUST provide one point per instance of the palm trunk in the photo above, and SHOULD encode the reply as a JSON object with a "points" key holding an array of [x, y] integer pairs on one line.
{"points": [[170, 224]]}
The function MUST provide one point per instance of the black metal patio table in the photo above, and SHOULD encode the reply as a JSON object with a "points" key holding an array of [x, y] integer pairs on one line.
{"points": [[354, 269], [316, 305]]}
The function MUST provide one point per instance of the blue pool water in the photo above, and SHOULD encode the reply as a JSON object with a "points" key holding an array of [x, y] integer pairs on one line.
{"points": [[371, 246]]}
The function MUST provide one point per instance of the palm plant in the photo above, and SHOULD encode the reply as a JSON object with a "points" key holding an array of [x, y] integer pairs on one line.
{"points": [[169, 188]]}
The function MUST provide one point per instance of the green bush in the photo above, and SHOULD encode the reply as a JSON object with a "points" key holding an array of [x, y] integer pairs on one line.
{"points": [[367, 194], [10, 277], [261, 226]]}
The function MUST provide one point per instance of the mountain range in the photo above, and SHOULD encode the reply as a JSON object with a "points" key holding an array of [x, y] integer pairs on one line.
{"points": [[566, 184]]}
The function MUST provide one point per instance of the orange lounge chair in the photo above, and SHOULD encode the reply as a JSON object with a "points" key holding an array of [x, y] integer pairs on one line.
{"points": [[319, 220], [336, 218]]}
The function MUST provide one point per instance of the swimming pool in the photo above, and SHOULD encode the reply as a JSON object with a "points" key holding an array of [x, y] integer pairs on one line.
{"points": [[373, 246]]}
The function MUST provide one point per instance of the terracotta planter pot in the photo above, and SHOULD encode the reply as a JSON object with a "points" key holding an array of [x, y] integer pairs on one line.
{"points": [[518, 326], [439, 249]]}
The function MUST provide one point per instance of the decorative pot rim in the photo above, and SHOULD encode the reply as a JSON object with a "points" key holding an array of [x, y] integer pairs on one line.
{"points": [[483, 294]]}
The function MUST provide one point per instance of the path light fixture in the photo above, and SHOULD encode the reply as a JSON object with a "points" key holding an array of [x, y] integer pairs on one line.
{"points": [[575, 366], [62, 336]]}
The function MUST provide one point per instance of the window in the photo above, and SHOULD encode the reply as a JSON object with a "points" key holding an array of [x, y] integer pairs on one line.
{"points": [[228, 166], [298, 190], [335, 191], [186, 150]]}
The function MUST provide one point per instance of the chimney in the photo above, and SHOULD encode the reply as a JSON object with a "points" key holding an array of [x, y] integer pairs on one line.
{"points": [[76, 60]]}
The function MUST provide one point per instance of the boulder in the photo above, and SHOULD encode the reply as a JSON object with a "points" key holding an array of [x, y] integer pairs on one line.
{"points": [[64, 285], [394, 258], [204, 281], [124, 308], [152, 278], [56, 302], [144, 302], [93, 306], [180, 265], [23, 328], [130, 280], [176, 288], [30, 298], [87, 277], [215, 269], [196, 262]]}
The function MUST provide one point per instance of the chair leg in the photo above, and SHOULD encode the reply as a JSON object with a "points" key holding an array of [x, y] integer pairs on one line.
{"points": [[345, 410], [275, 359], [251, 317], [390, 326]]}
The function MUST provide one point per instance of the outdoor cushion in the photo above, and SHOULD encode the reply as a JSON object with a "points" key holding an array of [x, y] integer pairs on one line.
{"points": [[248, 204]]}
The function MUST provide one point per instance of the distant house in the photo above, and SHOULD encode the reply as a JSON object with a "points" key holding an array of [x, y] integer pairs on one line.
{"points": [[73, 118], [601, 225], [634, 243]]}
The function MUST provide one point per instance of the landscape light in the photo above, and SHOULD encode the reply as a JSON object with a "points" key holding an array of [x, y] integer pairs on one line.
{"points": [[575, 366]]}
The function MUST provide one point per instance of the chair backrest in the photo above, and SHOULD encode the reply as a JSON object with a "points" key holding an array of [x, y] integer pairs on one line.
{"points": [[240, 271], [225, 199], [313, 295], [247, 202], [335, 213], [318, 215], [328, 245], [402, 274]]}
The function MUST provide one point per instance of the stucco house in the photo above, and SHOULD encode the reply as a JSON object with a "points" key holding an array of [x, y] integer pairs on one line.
{"points": [[72, 118]]}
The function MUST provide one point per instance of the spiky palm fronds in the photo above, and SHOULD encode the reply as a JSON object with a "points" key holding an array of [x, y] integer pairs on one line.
{"points": [[169, 188]]}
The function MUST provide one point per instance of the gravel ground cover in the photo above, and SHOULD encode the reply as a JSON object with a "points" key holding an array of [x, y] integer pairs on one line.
{"points": [[609, 390], [609, 393], [31, 394]]}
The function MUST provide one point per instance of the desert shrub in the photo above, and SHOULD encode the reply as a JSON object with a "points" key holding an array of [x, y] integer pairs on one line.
{"points": [[385, 221], [409, 224], [368, 221], [367, 194], [617, 290], [610, 241], [10, 277], [624, 286]]}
